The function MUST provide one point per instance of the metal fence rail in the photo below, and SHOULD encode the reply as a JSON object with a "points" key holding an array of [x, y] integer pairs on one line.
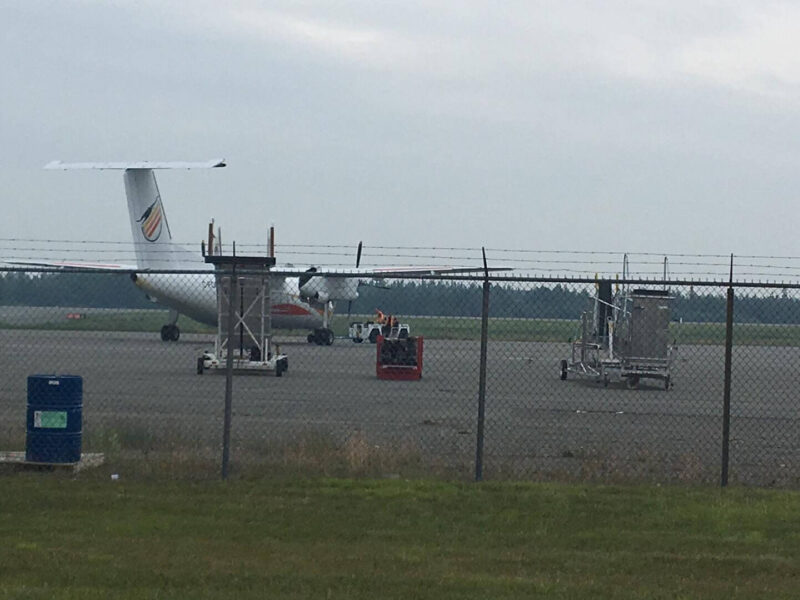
{"points": [[149, 412]]}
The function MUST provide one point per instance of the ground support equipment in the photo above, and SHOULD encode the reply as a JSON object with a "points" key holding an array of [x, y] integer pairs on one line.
{"points": [[399, 358], [369, 331], [625, 338], [243, 288]]}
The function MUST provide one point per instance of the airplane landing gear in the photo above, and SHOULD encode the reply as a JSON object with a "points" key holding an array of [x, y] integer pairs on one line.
{"points": [[170, 333], [321, 337]]}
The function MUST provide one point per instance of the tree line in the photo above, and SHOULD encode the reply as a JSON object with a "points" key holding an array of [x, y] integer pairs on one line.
{"points": [[406, 297]]}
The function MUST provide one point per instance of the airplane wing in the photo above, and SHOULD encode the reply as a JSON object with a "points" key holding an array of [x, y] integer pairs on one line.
{"points": [[60, 264], [429, 270], [378, 271], [322, 286]]}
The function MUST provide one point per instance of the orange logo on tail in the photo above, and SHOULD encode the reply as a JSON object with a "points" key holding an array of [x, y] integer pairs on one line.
{"points": [[151, 221]]}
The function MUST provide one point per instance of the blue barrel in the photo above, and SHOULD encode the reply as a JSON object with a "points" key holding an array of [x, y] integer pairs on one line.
{"points": [[55, 419]]}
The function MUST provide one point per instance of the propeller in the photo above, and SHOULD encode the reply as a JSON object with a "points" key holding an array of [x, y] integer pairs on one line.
{"points": [[304, 279], [358, 263]]}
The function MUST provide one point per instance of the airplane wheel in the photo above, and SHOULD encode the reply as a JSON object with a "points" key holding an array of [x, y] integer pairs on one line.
{"points": [[327, 337], [311, 338], [170, 333], [165, 333], [175, 334], [281, 367]]}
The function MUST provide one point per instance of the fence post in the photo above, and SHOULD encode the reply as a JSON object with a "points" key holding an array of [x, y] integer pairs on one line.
{"points": [[726, 400], [482, 378], [226, 431]]}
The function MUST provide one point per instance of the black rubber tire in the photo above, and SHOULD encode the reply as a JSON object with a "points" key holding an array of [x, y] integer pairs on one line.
{"points": [[311, 338], [328, 337], [563, 370], [403, 334], [175, 333], [165, 333], [373, 336]]}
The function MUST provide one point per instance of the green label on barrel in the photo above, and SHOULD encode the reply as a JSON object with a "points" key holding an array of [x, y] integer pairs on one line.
{"points": [[50, 419]]}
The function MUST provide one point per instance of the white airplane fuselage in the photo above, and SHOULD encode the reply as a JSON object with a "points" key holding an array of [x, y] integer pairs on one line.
{"points": [[195, 295]]}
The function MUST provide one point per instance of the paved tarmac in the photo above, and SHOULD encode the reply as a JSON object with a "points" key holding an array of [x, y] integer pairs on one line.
{"points": [[139, 390]]}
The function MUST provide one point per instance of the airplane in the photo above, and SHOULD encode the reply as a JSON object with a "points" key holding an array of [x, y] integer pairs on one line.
{"points": [[300, 299]]}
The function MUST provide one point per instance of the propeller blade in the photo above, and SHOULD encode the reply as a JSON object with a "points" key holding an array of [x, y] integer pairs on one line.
{"points": [[358, 255]]}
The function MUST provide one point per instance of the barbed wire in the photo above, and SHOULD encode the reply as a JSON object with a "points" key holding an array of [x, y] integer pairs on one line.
{"points": [[351, 248], [602, 262], [155, 251]]}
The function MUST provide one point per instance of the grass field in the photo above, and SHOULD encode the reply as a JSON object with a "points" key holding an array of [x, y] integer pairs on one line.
{"points": [[92, 538], [457, 328]]}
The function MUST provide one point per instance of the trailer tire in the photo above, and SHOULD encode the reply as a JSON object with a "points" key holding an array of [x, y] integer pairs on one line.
{"points": [[373, 336], [563, 370]]}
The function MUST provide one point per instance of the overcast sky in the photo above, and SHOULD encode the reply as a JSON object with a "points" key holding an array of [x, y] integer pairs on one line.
{"points": [[609, 126]]}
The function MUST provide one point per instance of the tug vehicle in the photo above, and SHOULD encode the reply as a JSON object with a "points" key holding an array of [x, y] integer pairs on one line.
{"points": [[385, 325]]}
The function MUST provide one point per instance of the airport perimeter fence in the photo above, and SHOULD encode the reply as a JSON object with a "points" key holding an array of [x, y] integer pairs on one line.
{"points": [[492, 401]]}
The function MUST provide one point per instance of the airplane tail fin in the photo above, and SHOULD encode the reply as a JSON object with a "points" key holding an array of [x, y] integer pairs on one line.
{"points": [[152, 238]]}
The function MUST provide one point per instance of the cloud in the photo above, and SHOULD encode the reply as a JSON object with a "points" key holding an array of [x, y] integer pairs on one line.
{"points": [[546, 108], [759, 57]]}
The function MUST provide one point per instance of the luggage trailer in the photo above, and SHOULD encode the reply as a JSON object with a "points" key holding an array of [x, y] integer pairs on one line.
{"points": [[624, 338]]}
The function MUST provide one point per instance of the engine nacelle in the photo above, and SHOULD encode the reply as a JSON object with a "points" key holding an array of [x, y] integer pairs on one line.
{"points": [[322, 289], [315, 288]]}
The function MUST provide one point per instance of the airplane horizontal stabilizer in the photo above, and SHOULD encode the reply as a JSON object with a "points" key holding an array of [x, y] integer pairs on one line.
{"points": [[208, 164]]}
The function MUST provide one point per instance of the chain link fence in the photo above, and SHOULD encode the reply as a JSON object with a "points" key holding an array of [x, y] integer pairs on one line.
{"points": [[535, 401]]}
